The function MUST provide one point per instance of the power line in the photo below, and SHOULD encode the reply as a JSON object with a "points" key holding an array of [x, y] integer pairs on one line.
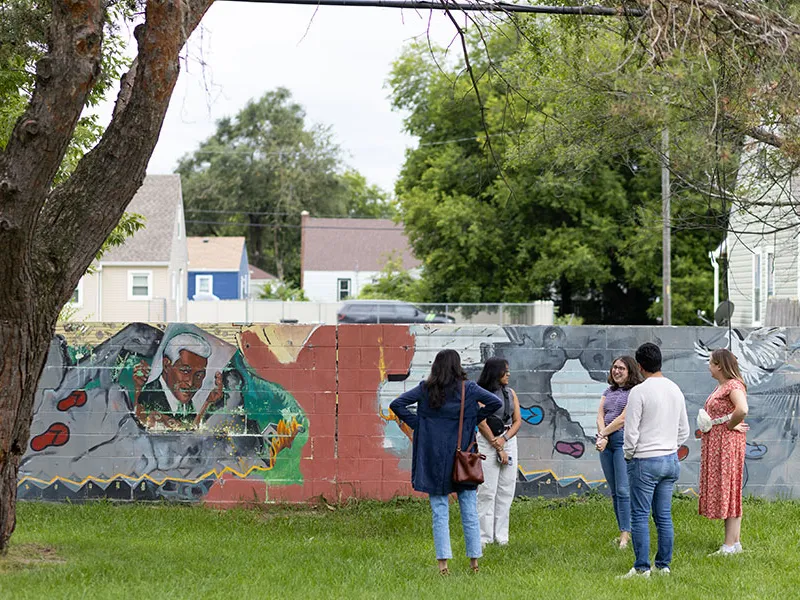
{"points": [[273, 214], [289, 226], [504, 7]]}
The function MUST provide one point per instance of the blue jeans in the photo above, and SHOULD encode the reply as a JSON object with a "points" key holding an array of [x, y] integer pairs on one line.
{"points": [[612, 459], [652, 481], [440, 507]]}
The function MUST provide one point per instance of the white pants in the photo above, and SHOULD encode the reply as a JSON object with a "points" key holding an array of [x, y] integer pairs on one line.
{"points": [[496, 492]]}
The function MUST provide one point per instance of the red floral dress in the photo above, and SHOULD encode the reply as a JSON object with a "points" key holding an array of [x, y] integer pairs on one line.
{"points": [[722, 459]]}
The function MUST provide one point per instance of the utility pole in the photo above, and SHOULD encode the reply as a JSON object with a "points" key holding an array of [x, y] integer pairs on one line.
{"points": [[666, 248]]}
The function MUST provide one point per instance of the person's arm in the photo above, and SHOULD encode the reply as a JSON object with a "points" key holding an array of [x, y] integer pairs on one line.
{"points": [[615, 425], [740, 408], [633, 417], [399, 406], [601, 421], [488, 402], [683, 423], [516, 422], [486, 432], [516, 418]]}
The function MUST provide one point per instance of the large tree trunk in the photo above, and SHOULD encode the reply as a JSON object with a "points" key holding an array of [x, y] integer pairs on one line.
{"points": [[49, 236], [24, 352]]}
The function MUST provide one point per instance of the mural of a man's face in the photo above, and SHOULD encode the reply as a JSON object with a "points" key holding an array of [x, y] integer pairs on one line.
{"points": [[185, 376]]}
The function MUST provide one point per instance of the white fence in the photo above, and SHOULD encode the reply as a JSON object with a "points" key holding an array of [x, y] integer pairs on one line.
{"points": [[275, 311]]}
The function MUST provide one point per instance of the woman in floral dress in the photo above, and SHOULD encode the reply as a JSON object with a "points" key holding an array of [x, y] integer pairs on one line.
{"points": [[723, 446]]}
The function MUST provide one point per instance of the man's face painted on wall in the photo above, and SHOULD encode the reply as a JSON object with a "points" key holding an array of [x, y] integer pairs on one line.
{"points": [[185, 376]]}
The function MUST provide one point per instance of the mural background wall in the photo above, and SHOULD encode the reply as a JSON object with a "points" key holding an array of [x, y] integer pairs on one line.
{"points": [[229, 414]]}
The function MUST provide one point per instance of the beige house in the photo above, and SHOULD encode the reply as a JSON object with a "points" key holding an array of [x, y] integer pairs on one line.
{"points": [[145, 278]]}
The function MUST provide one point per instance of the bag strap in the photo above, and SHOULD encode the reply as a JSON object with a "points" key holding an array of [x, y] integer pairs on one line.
{"points": [[461, 417]]}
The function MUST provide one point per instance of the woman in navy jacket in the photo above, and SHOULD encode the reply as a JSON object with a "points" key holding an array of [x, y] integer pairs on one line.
{"points": [[435, 426]]}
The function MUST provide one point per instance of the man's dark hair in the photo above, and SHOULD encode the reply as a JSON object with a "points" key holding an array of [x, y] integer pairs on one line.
{"points": [[648, 356]]}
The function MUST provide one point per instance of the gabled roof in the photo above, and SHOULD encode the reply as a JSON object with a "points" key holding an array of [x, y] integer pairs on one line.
{"points": [[215, 253], [257, 274], [160, 201], [353, 244]]}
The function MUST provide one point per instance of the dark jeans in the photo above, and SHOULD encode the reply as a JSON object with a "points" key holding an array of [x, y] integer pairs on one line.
{"points": [[615, 469], [652, 481]]}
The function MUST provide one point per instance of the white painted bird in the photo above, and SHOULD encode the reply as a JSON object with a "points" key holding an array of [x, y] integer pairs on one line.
{"points": [[759, 353]]}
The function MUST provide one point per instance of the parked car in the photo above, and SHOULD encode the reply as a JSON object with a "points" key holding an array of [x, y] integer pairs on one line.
{"points": [[387, 311]]}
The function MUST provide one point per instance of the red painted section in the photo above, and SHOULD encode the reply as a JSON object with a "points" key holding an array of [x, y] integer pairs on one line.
{"points": [[75, 399], [56, 435], [335, 378]]}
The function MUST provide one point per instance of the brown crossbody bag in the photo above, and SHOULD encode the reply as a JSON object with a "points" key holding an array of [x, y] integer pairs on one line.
{"points": [[467, 467]]}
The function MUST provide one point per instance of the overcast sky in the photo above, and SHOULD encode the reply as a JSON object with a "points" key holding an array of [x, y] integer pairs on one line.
{"points": [[334, 62]]}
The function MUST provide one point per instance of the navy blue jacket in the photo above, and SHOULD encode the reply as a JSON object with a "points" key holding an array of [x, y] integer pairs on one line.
{"points": [[436, 433]]}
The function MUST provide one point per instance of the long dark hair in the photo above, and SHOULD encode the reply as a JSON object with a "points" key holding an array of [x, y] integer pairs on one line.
{"points": [[634, 374], [493, 370], [445, 371]]}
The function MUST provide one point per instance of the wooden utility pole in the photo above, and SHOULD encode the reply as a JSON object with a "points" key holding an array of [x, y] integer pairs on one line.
{"points": [[666, 249]]}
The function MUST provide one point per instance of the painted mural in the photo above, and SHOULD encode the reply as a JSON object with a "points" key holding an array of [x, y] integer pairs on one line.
{"points": [[155, 412], [225, 414]]}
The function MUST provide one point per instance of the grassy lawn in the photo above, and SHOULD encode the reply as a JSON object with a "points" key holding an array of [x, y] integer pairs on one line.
{"points": [[559, 549]]}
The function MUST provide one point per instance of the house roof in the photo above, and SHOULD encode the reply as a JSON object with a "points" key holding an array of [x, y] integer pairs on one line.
{"points": [[353, 244], [160, 201], [217, 253], [257, 274]]}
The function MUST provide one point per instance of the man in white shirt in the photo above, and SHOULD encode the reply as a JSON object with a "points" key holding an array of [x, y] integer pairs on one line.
{"points": [[655, 426]]}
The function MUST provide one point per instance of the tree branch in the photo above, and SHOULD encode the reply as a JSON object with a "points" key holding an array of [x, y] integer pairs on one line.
{"points": [[83, 211], [64, 78], [764, 135]]}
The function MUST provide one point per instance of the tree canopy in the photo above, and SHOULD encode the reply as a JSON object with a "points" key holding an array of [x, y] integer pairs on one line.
{"points": [[260, 170], [550, 187]]}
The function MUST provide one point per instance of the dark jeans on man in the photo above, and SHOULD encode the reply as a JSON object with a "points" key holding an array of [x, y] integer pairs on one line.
{"points": [[651, 483]]}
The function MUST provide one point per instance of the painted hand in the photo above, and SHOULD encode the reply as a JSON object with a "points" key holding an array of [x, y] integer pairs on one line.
{"points": [[140, 374]]}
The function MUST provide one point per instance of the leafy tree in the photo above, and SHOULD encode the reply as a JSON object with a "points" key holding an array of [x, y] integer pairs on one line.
{"points": [[285, 292], [394, 283], [262, 168], [61, 194], [364, 200], [532, 217]]}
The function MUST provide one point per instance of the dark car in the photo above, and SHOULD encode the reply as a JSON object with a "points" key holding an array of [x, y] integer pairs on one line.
{"points": [[387, 311]]}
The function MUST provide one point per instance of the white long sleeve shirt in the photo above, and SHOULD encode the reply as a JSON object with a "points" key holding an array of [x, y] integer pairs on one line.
{"points": [[655, 419]]}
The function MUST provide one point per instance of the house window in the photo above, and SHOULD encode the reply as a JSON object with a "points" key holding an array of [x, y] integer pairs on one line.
{"points": [[77, 296], [140, 285], [757, 288], [770, 274], [204, 284], [343, 289]]}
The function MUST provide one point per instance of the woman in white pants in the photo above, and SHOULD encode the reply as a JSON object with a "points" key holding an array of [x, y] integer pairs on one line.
{"points": [[499, 443]]}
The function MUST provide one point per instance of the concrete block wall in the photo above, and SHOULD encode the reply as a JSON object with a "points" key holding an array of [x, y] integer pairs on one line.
{"points": [[293, 412]]}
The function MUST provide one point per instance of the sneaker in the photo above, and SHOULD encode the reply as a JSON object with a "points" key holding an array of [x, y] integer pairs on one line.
{"points": [[634, 573], [738, 547], [664, 571], [726, 550]]}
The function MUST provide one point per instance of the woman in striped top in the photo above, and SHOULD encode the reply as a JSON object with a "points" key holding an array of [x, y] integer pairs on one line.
{"points": [[623, 376]]}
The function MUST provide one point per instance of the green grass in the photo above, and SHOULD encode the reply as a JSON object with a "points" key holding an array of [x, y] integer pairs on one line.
{"points": [[559, 549]]}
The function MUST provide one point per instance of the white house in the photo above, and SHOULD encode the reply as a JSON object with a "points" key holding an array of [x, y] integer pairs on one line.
{"points": [[260, 280], [340, 256], [145, 278], [761, 246]]}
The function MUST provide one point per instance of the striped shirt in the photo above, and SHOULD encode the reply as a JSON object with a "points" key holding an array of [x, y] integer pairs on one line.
{"points": [[614, 403]]}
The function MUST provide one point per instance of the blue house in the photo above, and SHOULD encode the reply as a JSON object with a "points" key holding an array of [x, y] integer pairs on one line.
{"points": [[218, 268]]}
